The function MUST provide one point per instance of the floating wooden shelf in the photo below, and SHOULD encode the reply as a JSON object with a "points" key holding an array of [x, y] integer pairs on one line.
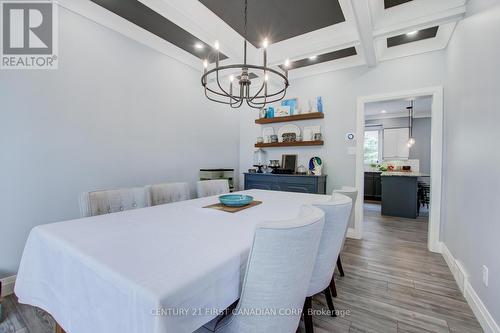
{"points": [[289, 144], [305, 116]]}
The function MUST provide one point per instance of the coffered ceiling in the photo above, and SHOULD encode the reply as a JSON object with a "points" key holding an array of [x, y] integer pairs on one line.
{"points": [[315, 35]]}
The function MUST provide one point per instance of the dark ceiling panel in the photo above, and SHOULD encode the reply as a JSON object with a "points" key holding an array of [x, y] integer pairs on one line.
{"points": [[405, 38], [146, 18], [339, 54], [394, 3], [277, 19]]}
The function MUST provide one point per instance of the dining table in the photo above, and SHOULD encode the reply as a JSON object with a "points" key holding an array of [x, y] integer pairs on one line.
{"points": [[166, 268]]}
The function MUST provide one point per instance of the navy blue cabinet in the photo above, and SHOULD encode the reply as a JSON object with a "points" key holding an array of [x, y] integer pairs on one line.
{"points": [[287, 183]]}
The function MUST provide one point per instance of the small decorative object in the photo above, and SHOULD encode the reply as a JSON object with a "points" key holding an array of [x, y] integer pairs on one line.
{"points": [[310, 106], [319, 104], [252, 171], [292, 103], [301, 170], [308, 134], [274, 163], [258, 159], [235, 200], [289, 137], [289, 128], [260, 139], [299, 137], [274, 138], [315, 166], [270, 112], [317, 136], [282, 111], [262, 113], [289, 162], [266, 134]]}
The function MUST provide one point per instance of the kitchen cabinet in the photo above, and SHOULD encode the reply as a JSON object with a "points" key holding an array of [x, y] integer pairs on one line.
{"points": [[287, 183], [395, 143], [399, 196], [373, 186]]}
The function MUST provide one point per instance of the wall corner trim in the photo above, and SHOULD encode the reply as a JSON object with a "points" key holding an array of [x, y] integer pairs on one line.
{"points": [[482, 314], [8, 285]]}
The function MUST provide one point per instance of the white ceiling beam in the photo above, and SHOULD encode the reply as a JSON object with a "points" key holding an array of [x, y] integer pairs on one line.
{"points": [[365, 27]]}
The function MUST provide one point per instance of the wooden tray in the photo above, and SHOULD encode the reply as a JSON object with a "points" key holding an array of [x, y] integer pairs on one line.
{"points": [[228, 209]]}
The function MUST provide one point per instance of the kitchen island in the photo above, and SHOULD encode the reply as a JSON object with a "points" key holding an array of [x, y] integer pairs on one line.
{"points": [[399, 193]]}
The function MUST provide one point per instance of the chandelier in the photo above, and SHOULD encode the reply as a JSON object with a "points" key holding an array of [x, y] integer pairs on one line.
{"points": [[237, 89]]}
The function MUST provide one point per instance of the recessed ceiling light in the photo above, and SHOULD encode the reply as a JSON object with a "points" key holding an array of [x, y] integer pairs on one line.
{"points": [[412, 33], [313, 57], [199, 46], [383, 111]]}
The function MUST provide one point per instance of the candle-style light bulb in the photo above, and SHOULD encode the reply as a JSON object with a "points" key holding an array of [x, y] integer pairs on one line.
{"points": [[265, 43], [287, 63], [205, 65], [217, 46], [266, 77], [231, 78]]}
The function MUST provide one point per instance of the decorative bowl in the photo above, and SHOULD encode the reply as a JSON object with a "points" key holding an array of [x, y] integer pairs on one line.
{"points": [[235, 200]]}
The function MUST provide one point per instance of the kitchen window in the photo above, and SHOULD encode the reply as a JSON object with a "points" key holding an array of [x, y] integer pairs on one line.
{"points": [[372, 146]]}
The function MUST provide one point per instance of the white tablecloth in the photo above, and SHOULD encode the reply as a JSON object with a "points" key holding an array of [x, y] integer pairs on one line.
{"points": [[152, 270]]}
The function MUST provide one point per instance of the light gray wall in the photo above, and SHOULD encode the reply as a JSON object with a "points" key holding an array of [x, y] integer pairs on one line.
{"points": [[422, 134], [340, 90], [115, 113], [471, 210]]}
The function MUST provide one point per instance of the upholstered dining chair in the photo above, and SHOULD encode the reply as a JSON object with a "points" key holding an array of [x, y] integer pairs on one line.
{"points": [[159, 194], [206, 188], [337, 211], [352, 193], [110, 201], [278, 273]]}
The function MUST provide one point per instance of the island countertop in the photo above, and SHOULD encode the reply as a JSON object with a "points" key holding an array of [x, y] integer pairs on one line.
{"points": [[405, 174]]}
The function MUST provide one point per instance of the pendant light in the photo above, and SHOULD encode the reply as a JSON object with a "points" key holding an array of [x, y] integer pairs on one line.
{"points": [[411, 140], [240, 77]]}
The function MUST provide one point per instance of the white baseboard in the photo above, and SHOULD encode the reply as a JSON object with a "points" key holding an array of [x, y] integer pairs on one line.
{"points": [[351, 233], [8, 285], [480, 311]]}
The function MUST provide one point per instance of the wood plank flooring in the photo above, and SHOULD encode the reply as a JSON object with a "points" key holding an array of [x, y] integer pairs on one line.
{"points": [[392, 284]]}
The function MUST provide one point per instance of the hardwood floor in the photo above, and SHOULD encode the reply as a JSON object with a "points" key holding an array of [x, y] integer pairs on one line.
{"points": [[392, 284]]}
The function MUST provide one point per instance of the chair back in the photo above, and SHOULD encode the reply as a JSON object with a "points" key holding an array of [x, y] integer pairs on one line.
{"points": [[206, 188], [337, 211], [352, 193], [110, 201], [159, 194], [278, 272]]}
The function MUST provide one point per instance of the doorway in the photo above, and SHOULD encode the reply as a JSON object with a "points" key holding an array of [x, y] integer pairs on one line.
{"points": [[373, 154]]}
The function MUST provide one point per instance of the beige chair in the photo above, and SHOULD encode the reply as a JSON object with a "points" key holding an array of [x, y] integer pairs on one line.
{"points": [[206, 188], [337, 211], [110, 201], [278, 273], [159, 194], [352, 193]]}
